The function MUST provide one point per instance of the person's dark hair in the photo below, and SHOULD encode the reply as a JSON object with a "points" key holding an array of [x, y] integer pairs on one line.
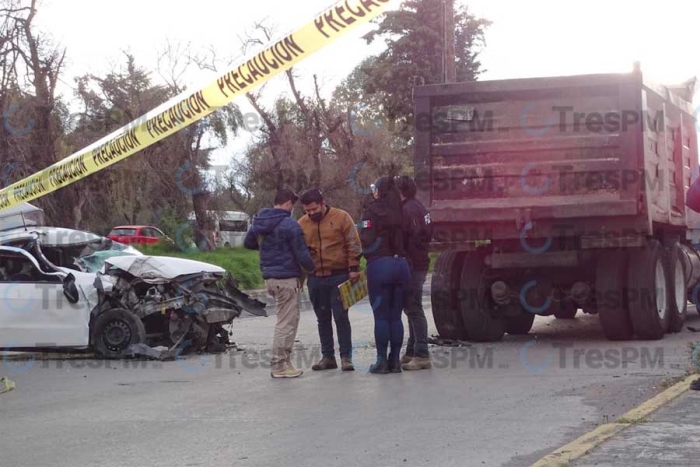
{"points": [[407, 187], [389, 195], [285, 195], [313, 195]]}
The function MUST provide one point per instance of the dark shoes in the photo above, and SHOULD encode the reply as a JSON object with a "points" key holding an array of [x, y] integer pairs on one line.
{"points": [[383, 367], [394, 366], [326, 363], [695, 385], [346, 364], [379, 368]]}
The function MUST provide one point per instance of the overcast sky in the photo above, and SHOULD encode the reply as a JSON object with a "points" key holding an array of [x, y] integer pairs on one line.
{"points": [[527, 38]]}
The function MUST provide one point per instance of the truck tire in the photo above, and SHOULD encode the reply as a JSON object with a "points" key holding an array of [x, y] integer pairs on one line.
{"points": [[519, 325], [677, 279], [611, 301], [566, 310], [477, 316], [444, 295], [115, 331], [647, 291]]}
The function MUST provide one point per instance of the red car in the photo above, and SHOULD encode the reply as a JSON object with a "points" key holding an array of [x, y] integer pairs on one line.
{"points": [[137, 234]]}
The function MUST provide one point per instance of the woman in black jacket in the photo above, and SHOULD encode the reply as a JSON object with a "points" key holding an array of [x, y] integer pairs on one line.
{"points": [[388, 274]]}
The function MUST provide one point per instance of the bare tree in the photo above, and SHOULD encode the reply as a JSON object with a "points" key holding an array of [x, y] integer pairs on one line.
{"points": [[174, 62]]}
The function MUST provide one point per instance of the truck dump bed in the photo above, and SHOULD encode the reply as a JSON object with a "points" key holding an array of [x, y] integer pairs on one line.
{"points": [[566, 156]]}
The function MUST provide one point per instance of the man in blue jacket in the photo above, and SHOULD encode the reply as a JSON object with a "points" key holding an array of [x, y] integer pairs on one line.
{"points": [[283, 256]]}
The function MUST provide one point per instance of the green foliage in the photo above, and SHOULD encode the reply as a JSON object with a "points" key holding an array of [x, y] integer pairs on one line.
{"points": [[414, 38]]}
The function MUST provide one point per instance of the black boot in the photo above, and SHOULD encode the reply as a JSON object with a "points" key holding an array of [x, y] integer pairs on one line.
{"points": [[394, 366], [379, 368]]}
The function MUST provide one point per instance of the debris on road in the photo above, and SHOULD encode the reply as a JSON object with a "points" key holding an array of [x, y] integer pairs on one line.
{"points": [[6, 385], [162, 354], [435, 340]]}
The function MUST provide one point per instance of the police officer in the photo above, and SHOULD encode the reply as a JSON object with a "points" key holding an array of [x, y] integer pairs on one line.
{"points": [[418, 233]]}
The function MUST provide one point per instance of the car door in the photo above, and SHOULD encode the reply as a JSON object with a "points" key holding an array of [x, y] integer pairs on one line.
{"points": [[34, 312], [143, 236], [152, 236]]}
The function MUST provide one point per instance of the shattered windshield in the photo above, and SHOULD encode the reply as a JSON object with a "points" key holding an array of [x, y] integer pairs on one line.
{"points": [[94, 262], [86, 257]]}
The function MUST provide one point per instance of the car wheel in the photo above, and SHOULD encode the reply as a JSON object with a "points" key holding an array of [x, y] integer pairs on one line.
{"points": [[115, 331]]}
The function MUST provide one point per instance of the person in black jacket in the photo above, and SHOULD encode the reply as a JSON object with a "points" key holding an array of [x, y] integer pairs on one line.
{"points": [[418, 232], [284, 257], [388, 275]]}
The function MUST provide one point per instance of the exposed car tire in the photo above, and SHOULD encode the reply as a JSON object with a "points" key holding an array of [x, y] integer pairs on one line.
{"points": [[566, 310], [115, 331], [477, 312], [677, 278], [519, 325], [647, 291], [444, 295], [611, 300]]}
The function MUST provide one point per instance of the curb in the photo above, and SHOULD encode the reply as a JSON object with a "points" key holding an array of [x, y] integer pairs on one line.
{"points": [[45, 356], [588, 442]]}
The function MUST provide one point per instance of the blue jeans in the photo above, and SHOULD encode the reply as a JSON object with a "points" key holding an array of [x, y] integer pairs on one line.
{"points": [[328, 306], [388, 281]]}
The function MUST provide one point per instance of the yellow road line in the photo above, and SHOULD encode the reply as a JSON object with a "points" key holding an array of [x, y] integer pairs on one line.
{"points": [[586, 443], [653, 404]]}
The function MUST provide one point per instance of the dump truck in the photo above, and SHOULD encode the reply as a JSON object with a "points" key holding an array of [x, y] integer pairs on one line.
{"points": [[559, 194]]}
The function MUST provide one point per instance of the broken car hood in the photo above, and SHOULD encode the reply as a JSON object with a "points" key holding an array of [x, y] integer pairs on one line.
{"points": [[160, 267]]}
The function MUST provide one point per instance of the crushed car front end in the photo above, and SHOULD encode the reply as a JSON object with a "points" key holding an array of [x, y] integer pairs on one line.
{"points": [[181, 304]]}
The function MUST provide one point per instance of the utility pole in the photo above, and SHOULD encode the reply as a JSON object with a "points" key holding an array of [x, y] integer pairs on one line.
{"points": [[450, 64]]}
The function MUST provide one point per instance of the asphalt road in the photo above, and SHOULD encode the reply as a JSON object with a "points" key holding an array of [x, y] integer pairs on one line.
{"points": [[503, 404]]}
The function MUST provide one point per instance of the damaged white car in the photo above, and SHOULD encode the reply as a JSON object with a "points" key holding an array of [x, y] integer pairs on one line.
{"points": [[61, 288]]}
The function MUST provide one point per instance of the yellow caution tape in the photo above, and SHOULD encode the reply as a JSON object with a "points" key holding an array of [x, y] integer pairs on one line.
{"points": [[186, 109]]}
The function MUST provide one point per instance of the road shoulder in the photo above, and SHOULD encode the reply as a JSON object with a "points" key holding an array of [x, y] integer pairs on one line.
{"points": [[634, 429]]}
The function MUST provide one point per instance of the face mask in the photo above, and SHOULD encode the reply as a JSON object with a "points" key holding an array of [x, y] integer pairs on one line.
{"points": [[317, 217]]}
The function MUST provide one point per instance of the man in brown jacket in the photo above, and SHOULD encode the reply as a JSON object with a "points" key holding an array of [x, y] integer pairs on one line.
{"points": [[335, 247]]}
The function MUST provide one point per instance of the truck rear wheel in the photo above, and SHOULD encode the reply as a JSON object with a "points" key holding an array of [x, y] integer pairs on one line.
{"points": [[444, 295], [567, 310], [678, 294], [520, 325], [611, 302], [647, 291], [477, 311]]}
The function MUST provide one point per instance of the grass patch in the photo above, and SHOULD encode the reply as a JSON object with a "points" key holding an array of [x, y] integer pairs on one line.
{"points": [[243, 264]]}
